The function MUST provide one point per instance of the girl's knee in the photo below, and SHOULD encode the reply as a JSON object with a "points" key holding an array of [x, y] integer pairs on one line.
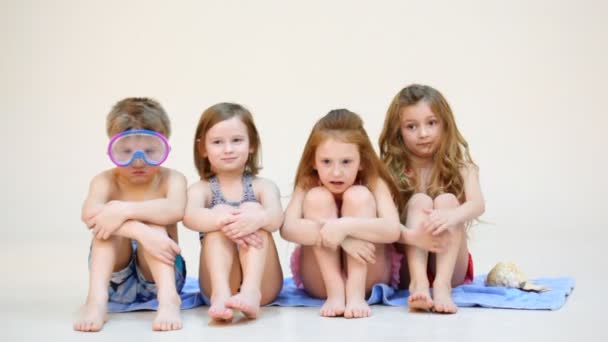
{"points": [[446, 200], [420, 201], [358, 195], [318, 200], [251, 205]]}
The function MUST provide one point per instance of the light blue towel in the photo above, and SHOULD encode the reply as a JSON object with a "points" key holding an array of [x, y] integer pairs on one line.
{"points": [[474, 294], [191, 298]]}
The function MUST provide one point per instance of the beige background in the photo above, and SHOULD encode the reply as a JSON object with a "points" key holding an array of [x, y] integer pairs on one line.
{"points": [[526, 81]]}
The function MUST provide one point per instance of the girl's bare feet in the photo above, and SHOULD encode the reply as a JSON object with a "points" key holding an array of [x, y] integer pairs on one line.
{"points": [[357, 308], [420, 296], [218, 310], [442, 297], [334, 306], [246, 301]]}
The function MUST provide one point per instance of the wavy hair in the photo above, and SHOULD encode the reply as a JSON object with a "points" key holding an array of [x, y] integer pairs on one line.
{"points": [[451, 156]]}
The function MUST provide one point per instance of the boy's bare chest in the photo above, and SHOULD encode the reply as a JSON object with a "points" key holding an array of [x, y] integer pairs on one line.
{"points": [[134, 194]]}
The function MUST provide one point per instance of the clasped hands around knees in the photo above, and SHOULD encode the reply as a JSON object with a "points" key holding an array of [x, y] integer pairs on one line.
{"points": [[242, 225]]}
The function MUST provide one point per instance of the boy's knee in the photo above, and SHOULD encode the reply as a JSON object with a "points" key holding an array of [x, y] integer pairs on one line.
{"points": [[420, 201], [446, 200], [358, 195]]}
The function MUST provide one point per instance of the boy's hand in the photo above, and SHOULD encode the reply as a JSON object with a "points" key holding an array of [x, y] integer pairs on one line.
{"points": [[109, 219], [158, 243], [440, 220], [246, 221], [332, 233], [362, 251]]}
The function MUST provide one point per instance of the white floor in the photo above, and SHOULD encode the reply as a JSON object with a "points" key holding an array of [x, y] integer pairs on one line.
{"points": [[45, 279]]}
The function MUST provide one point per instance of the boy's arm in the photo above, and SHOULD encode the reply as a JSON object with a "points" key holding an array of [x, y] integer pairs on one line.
{"points": [[385, 228], [161, 211], [297, 229], [98, 196]]}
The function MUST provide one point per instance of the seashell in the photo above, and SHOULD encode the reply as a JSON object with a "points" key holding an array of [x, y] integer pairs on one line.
{"points": [[508, 275]]}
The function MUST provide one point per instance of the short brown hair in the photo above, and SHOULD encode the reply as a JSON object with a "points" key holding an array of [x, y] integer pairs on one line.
{"points": [[218, 113], [138, 112]]}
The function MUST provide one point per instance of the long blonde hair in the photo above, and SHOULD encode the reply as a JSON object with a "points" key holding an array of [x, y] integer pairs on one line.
{"points": [[218, 113], [345, 126], [451, 156]]}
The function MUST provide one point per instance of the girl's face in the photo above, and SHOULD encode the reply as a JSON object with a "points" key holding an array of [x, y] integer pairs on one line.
{"points": [[337, 164], [227, 146], [421, 130]]}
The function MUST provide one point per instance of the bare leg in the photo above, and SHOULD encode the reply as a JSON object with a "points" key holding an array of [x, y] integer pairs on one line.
{"points": [[451, 265], [168, 316], [416, 258], [107, 256], [219, 273], [262, 277], [319, 203], [358, 201]]}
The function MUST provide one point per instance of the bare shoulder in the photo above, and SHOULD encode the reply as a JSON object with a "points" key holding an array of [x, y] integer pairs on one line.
{"points": [[104, 179], [263, 185], [468, 170], [173, 174]]}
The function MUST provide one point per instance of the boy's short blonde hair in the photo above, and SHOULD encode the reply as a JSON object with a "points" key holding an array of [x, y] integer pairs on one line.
{"points": [[138, 112]]}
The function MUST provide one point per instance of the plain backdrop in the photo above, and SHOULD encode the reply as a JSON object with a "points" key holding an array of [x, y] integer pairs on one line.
{"points": [[526, 81]]}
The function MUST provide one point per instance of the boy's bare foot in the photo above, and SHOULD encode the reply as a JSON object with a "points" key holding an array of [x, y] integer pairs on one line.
{"points": [[333, 306], [420, 297], [92, 316], [168, 315], [357, 308], [442, 295], [248, 302], [218, 310]]}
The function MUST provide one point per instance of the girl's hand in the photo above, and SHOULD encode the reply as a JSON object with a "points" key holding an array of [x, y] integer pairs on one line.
{"points": [[440, 220], [332, 233], [108, 219], [251, 240], [424, 239], [362, 251], [158, 243], [244, 222]]}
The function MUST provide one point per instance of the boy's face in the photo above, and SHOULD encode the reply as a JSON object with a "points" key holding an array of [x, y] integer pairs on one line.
{"points": [[138, 172], [227, 146], [337, 164], [420, 129], [138, 154]]}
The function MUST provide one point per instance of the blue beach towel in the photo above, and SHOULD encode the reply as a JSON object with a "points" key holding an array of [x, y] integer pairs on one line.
{"points": [[473, 294]]}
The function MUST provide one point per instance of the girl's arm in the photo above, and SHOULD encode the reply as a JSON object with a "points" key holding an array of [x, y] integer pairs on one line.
{"points": [[270, 198], [382, 229], [473, 207], [295, 228], [197, 216]]}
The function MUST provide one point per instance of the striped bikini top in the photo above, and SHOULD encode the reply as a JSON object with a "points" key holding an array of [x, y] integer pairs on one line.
{"points": [[218, 198]]}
